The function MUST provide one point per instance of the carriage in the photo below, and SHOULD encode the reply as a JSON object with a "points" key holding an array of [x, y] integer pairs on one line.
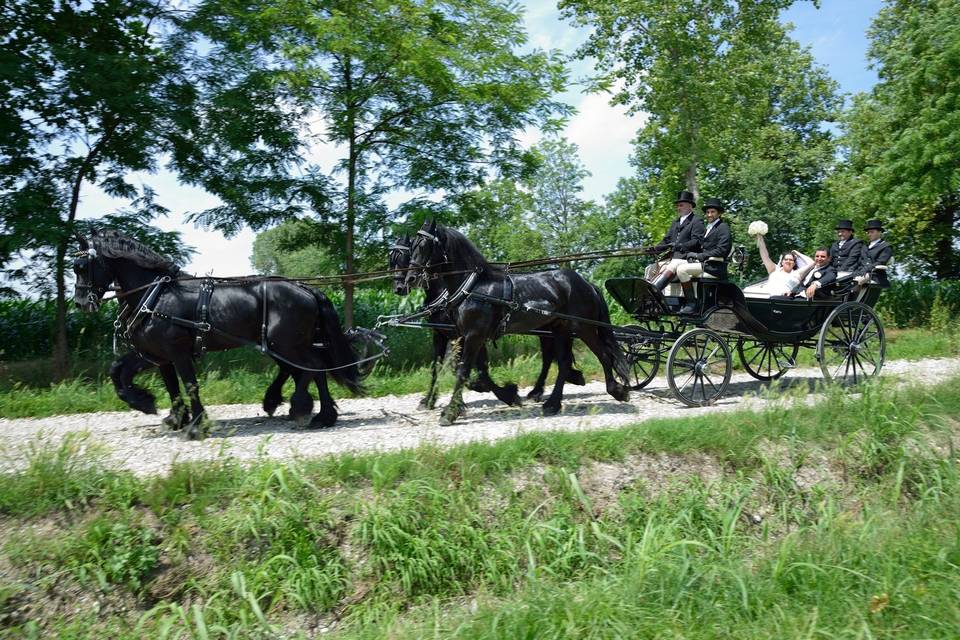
{"points": [[766, 332]]}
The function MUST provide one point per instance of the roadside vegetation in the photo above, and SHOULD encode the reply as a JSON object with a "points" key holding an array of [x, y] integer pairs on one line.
{"points": [[834, 520]]}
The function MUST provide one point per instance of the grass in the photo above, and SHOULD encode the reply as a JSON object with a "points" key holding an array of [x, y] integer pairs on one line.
{"points": [[839, 522], [242, 386]]}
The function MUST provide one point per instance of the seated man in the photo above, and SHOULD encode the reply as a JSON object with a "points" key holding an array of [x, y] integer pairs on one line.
{"points": [[817, 281], [880, 253], [711, 260], [849, 254], [684, 236]]}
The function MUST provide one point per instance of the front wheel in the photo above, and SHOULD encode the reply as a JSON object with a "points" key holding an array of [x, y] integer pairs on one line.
{"points": [[642, 352], [852, 344], [699, 367]]}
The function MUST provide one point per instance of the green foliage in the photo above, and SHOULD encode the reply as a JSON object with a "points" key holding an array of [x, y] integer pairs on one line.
{"points": [[60, 476], [903, 135]]}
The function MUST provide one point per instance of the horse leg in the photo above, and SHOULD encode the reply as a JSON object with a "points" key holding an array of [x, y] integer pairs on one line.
{"points": [[575, 376], [301, 402], [546, 358], [508, 394], [453, 410], [592, 339], [196, 428], [440, 342], [178, 416], [122, 372], [564, 356], [328, 408], [274, 395]]}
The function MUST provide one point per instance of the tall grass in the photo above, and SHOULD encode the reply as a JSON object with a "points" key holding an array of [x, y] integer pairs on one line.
{"points": [[839, 522]]}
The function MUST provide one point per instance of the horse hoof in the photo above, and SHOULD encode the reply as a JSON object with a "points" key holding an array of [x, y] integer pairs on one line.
{"points": [[551, 409], [535, 394], [513, 392], [621, 393], [576, 377], [173, 423], [449, 415], [323, 420], [301, 421], [427, 403]]}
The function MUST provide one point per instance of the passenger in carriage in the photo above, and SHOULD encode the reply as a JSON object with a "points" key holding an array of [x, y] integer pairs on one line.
{"points": [[711, 260], [880, 253], [816, 283], [784, 278], [684, 235], [849, 254]]}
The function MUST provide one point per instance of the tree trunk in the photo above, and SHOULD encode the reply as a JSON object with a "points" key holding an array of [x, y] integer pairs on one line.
{"points": [[351, 200], [690, 178]]}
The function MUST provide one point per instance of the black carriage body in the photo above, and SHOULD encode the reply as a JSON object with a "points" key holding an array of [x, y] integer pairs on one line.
{"points": [[766, 333]]}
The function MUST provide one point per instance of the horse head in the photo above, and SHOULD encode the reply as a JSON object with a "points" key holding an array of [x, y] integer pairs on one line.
{"points": [[398, 261], [425, 252], [93, 277]]}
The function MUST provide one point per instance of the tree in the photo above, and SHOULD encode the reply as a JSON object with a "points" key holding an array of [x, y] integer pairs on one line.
{"points": [[902, 137], [87, 89], [735, 106], [294, 249], [416, 95]]}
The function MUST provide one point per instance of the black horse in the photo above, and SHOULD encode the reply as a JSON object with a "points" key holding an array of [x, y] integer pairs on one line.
{"points": [[125, 368], [487, 302], [170, 317], [399, 261]]}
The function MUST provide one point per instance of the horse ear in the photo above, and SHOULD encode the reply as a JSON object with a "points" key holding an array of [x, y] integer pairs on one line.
{"points": [[433, 227], [84, 246], [407, 239]]}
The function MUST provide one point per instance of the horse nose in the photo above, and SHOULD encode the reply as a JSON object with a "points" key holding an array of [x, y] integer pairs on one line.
{"points": [[398, 289]]}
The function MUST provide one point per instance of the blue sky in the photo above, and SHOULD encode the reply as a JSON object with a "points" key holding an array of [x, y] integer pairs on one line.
{"points": [[835, 33]]}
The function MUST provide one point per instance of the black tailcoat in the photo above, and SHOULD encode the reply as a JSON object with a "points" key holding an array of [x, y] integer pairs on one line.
{"points": [[880, 253], [851, 257], [826, 276], [684, 238], [716, 244]]}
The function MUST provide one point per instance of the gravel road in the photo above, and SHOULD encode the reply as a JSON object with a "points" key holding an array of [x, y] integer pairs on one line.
{"points": [[139, 442]]}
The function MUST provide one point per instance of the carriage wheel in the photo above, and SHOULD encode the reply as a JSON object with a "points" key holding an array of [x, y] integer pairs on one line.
{"points": [[852, 345], [766, 360], [643, 355], [699, 367]]}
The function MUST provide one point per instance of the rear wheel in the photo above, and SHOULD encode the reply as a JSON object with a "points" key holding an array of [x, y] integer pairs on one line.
{"points": [[766, 360], [642, 352], [699, 367], [852, 345]]}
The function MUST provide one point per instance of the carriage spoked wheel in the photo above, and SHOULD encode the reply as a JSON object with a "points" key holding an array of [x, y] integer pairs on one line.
{"points": [[767, 360], [643, 354], [852, 344], [699, 367]]}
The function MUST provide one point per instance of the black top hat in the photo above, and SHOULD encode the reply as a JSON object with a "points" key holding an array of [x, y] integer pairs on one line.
{"points": [[873, 224], [712, 203], [686, 196], [844, 224]]}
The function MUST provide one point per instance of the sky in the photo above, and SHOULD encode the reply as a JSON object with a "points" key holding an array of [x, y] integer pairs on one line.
{"points": [[835, 34]]}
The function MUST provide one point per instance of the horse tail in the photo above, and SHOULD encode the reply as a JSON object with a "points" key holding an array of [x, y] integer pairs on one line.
{"points": [[610, 345], [341, 355]]}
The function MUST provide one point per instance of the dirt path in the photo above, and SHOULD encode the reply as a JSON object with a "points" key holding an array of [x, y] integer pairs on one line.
{"points": [[140, 443]]}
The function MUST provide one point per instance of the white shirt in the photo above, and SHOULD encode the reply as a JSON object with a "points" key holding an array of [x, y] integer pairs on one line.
{"points": [[684, 218], [710, 227], [872, 242]]}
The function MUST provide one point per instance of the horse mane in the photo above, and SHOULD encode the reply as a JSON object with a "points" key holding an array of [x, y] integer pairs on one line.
{"points": [[110, 243], [459, 246]]}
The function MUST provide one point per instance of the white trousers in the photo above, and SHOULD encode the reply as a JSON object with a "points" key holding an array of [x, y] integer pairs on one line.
{"points": [[685, 271]]}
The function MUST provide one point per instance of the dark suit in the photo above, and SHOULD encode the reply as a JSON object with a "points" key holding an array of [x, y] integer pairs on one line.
{"points": [[880, 253], [825, 276], [716, 244], [685, 238], [851, 257]]}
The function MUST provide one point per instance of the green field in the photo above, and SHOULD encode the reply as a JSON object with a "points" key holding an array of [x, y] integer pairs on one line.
{"points": [[840, 521]]}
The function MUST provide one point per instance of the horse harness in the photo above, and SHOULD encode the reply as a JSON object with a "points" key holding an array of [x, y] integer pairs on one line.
{"points": [[203, 326]]}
